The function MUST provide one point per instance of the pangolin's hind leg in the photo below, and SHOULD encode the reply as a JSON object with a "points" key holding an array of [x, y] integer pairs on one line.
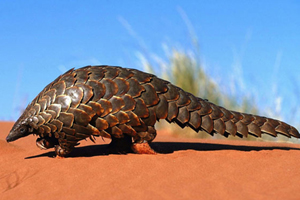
{"points": [[142, 140], [62, 146], [120, 145]]}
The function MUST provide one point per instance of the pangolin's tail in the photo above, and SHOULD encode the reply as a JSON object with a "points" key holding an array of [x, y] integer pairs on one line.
{"points": [[185, 109]]}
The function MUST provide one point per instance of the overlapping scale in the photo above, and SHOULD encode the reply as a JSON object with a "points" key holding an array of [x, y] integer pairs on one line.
{"points": [[87, 92], [216, 112], [101, 124], [123, 86], [111, 88], [68, 79], [141, 77], [125, 73], [205, 107], [47, 117], [66, 118], [129, 103], [116, 132], [172, 94], [43, 104], [107, 107], [80, 116], [172, 111], [141, 109], [112, 120], [59, 87], [135, 88], [96, 107], [98, 89], [111, 73], [96, 73], [82, 75], [194, 104], [162, 107], [149, 95], [64, 101], [122, 117], [87, 109], [159, 85], [52, 94], [76, 95], [183, 99], [183, 115], [195, 120], [219, 126], [207, 123], [151, 119], [117, 104]]}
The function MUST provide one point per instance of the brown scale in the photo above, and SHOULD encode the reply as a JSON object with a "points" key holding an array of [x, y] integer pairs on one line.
{"points": [[124, 105]]}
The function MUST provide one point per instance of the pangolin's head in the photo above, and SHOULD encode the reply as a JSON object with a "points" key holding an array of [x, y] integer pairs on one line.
{"points": [[25, 126], [20, 129]]}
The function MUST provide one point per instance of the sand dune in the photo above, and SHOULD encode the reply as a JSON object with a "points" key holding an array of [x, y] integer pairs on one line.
{"points": [[184, 169]]}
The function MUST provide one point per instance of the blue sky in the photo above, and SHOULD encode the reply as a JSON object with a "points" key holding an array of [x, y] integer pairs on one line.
{"points": [[258, 42]]}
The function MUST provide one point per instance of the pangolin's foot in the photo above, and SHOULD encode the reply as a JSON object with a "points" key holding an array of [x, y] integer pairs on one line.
{"points": [[59, 157], [142, 148], [61, 152]]}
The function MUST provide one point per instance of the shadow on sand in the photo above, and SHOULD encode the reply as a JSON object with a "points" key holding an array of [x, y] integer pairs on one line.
{"points": [[163, 148]]}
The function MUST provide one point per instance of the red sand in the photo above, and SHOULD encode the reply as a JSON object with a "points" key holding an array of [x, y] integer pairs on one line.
{"points": [[187, 169]]}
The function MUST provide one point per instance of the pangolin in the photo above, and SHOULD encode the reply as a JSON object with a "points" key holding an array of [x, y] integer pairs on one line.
{"points": [[124, 105]]}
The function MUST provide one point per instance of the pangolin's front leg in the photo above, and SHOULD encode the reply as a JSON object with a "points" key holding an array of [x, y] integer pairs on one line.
{"points": [[46, 142], [62, 148]]}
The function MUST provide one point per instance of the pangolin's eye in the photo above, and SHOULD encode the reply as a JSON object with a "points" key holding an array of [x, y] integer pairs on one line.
{"points": [[23, 129]]}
